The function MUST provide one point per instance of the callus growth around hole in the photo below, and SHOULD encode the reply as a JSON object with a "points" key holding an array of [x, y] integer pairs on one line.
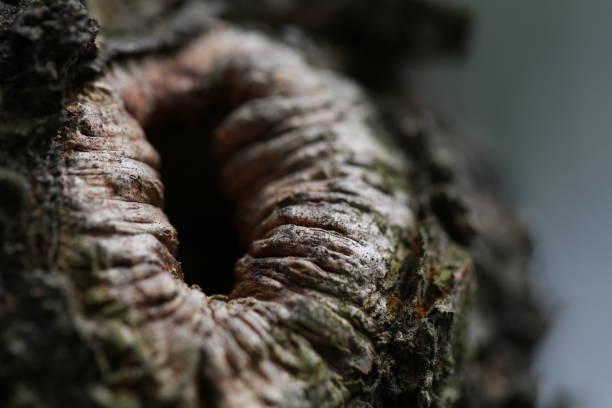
{"points": [[319, 313]]}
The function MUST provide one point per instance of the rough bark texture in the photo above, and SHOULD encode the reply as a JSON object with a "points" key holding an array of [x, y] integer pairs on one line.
{"points": [[379, 270]]}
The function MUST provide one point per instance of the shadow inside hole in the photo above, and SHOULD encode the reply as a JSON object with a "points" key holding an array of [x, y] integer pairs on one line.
{"points": [[208, 241]]}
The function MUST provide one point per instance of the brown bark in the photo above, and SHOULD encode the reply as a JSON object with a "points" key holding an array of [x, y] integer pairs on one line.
{"points": [[358, 286]]}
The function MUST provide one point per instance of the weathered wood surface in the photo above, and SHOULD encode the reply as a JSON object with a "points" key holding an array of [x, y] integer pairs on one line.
{"points": [[365, 235]]}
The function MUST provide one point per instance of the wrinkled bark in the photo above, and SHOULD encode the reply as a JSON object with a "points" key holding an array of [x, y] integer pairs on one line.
{"points": [[380, 268]]}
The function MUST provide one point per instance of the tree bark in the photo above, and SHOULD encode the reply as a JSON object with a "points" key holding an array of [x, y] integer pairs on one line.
{"points": [[381, 268]]}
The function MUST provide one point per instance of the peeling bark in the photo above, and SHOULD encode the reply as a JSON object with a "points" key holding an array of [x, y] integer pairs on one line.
{"points": [[358, 282]]}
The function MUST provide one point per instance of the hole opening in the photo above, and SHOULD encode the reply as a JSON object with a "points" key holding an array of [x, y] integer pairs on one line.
{"points": [[209, 244]]}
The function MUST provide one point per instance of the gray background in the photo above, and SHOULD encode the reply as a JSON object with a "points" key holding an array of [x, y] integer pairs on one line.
{"points": [[536, 93]]}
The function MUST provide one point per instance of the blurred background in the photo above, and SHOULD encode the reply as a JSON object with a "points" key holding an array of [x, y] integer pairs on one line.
{"points": [[535, 92]]}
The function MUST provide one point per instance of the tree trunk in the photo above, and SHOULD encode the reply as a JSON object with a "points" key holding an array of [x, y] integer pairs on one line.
{"points": [[380, 270]]}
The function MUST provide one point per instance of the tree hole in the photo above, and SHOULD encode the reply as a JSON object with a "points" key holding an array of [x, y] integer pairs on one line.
{"points": [[195, 205]]}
